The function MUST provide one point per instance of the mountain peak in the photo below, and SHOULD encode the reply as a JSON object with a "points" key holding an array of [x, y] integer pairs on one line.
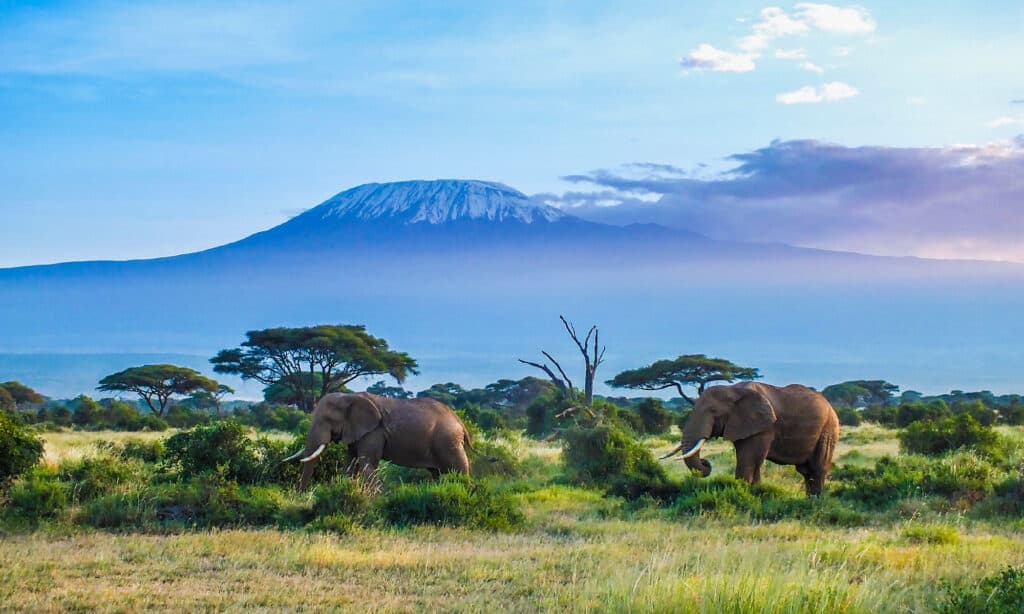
{"points": [[434, 202]]}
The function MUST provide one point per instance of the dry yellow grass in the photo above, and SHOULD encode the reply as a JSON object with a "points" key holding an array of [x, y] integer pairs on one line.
{"points": [[577, 553]]}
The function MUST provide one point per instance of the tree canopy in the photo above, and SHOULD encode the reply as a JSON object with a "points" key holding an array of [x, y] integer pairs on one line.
{"points": [[16, 394], [156, 384], [297, 357], [860, 392], [688, 370]]}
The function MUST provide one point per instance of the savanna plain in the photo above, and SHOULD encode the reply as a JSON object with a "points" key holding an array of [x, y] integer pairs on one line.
{"points": [[893, 533]]}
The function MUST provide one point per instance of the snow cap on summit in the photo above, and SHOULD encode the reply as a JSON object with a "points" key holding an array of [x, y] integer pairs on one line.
{"points": [[436, 202]]}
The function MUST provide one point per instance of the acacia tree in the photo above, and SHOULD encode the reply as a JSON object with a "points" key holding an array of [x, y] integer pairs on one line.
{"points": [[206, 399], [19, 394], [313, 360], [688, 370], [156, 384]]}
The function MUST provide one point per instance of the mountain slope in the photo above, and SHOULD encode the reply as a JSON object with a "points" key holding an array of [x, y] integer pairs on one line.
{"points": [[469, 275]]}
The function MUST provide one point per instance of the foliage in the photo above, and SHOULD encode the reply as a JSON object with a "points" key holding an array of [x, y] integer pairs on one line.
{"points": [[92, 476], [961, 478], [883, 415], [15, 394], [272, 417], [916, 533], [935, 437], [342, 495], [37, 496], [540, 413], [655, 419], [688, 370], [156, 384], [20, 450], [381, 388], [908, 413], [184, 417], [856, 393], [454, 500], [1000, 593], [848, 416], [606, 456], [295, 357], [223, 447]]}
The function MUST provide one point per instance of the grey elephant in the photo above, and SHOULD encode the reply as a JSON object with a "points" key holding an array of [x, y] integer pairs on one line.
{"points": [[794, 425], [419, 432]]}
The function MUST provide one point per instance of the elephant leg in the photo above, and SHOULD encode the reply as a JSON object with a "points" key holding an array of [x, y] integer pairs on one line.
{"points": [[459, 462], [435, 473], [820, 465], [369, 451], [806, 470], [750, 456]]}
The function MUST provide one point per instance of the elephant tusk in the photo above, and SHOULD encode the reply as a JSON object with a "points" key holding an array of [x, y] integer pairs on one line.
{"points": [[693, 450], [315, 454], [676, 449], [292, 457]]}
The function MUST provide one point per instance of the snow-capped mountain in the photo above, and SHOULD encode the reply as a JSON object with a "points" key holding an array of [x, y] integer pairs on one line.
{"points": [[469, 275], [434, 202]]}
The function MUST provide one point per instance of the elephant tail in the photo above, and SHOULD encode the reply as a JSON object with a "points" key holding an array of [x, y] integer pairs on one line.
{"points": [[468, 443]]}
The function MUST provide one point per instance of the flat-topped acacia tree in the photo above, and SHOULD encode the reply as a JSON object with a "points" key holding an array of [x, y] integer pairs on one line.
{"points": [[688, 370], [313, 360], [156, 384]]}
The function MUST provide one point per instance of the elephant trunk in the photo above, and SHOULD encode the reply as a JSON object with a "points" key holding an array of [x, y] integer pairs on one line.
{"points": [[695, 433], [311, 457]]}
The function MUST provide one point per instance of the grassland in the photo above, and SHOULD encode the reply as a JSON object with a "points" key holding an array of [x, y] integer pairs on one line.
{"points": [[578, 551]]}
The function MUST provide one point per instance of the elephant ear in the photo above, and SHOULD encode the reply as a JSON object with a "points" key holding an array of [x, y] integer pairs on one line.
{"points": [[752, 413], [362, 416]]}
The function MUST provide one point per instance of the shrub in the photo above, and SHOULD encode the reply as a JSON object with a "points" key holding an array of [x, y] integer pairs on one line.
{"points": [[1007, 498], [37, 496], [223, 447], [1000, 593], [455, 500], [153, 422], [201, 502], [655, 419], [719, 496], [917, 411], [599, 454], [20, 450], [342, 495], [879, 486], [884, 415], [146, 451], [935, 437], [494, 459], [848, 416], [92, 476]]}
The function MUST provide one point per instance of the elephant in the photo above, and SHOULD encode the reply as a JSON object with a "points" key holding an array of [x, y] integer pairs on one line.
{"points": [[417, 432], [791, 425]]}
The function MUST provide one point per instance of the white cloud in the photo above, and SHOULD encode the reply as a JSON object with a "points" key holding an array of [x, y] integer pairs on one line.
{"points": [[999, 122], [842, 52], [849, 20], [707, 57], [917, 101], [829, 92], [811, 66], [775, 23], [791, 54]]}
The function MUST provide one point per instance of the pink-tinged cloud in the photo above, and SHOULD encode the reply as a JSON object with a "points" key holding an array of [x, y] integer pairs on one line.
{"points": [[964, 201]]}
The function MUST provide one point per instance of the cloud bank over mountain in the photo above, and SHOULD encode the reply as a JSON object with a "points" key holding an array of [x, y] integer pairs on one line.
{"points": [[961, 201]]}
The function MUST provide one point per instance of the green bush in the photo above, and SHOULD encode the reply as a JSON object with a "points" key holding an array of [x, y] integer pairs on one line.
{"points": [[719, 496], [1007, 498], [494, 459], [92, 476], [455, 501], [963, 478], [146, 451], [910, 412], [933, 437], [1001, 593], [200, 502], [599, 454], [883, 415], [20, 451], [223, 447], [37, 496], [848, 416], [655, 419], [342, 496]]}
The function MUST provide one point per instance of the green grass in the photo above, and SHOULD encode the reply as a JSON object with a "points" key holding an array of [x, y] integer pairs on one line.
{"points": [[574, 550]]}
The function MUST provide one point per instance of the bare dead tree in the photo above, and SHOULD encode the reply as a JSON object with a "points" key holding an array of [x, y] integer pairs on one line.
{"points": [[591, 359]]}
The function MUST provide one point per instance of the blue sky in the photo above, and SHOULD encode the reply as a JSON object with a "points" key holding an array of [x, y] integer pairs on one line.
{"points": [[145, 129]]}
